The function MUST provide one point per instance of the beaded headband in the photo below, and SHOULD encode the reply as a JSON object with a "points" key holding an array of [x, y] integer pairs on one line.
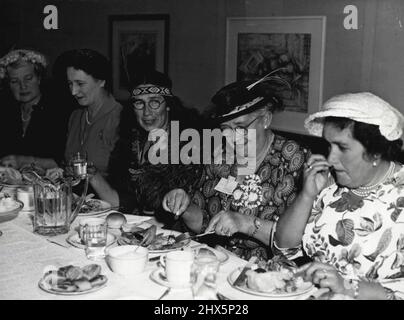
{"points": [[150, 89], [25, 55]]}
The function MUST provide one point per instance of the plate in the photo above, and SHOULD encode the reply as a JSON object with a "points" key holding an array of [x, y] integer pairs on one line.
{"points": [[306, 287], [45, 286], [75, 241], [93, 207], [176, 246], [159, 277]]}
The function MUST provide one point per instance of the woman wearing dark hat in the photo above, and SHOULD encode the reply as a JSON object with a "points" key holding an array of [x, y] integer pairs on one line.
{"points": [[242, 201]]}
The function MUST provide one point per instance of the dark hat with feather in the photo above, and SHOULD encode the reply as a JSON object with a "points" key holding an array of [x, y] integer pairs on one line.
{"points": [[243, 97]]}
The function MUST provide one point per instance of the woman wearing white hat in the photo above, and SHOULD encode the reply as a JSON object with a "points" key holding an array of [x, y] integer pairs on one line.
{"points": [[352, 229]]}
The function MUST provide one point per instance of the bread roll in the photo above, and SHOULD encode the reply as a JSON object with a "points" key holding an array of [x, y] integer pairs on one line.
{"points": [[115, 220]]}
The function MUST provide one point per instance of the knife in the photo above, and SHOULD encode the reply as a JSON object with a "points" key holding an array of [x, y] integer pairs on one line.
{"points": [[240, 279]]}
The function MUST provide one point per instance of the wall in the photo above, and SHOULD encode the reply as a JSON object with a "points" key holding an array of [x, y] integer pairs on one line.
{"points": [[365, 59]]}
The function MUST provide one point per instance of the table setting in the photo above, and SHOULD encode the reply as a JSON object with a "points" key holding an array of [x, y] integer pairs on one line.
{"points": [[89, 250]]}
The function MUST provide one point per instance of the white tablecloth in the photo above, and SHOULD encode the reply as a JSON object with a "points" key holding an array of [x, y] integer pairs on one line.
{"points": [[24, 255]]}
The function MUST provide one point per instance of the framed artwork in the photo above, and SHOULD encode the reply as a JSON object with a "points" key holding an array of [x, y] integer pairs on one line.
{"points": [[290, 47], [137, 43]]}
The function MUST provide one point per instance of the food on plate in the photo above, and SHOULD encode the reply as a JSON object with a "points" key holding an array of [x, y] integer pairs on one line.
{"points": [[8, 204], [273, 281], [90, 206], [275, 276], [115, 220], [158, 242], [74, 279]]}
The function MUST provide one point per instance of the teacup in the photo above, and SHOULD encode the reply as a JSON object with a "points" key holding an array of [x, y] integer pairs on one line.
{"points": [[178, 266]]}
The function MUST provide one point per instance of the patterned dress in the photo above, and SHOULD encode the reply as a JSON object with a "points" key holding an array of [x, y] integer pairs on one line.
{"points": [[280, 173], [141, 185], [363, 237]]}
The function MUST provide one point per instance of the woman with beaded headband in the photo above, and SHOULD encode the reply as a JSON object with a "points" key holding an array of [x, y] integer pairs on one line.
{"points": [[135, 183], [34, 127], [239, 202], [94, 128], [353, 229]]}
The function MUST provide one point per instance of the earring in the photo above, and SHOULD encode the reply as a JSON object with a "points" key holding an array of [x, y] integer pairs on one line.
{"points": [[168, 108], [374, 163]]}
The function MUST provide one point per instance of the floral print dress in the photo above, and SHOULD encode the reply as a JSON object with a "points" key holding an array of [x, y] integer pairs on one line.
{"points": [[280, 176], [362, 237]]}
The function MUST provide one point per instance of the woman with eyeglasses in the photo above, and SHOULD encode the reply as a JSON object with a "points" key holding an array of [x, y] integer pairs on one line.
{"points": [[239, 201], [135, 183]]}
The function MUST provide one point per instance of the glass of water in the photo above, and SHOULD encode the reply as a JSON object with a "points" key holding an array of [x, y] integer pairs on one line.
{"points": [[78, 163], [95, 239]]}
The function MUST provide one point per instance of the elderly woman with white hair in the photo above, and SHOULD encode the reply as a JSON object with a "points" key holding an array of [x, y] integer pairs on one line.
{"points": [[352, 229], [34, 126]]}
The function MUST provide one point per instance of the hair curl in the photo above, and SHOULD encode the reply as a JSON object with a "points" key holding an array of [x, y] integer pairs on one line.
{"points": [[369, 136]]}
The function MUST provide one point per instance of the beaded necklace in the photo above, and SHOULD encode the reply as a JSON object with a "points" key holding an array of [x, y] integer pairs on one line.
{"points": [[366, 190]]}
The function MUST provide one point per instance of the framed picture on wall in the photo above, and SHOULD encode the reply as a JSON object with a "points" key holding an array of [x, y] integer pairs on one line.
{"points": [[137, 42], [292, 48]]}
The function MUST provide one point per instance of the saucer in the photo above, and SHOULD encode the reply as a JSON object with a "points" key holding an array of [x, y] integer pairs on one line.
{"points": [[159, 277], [75, 240]]}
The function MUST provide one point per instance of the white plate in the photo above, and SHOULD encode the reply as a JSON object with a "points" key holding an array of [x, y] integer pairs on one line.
{"points": [[75, 240], [306, 287], [181, 245], [103, 206], [159, 277], [46, 287]]}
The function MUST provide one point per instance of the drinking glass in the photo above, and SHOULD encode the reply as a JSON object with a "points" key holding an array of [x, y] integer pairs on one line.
{"points": [[95, 239], [204, 271], [78, 162]]}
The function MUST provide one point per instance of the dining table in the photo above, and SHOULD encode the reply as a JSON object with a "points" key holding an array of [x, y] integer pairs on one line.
{"points": [[24, 255]]}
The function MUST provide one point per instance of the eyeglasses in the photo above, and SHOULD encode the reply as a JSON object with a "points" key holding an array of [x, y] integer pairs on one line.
{"points": [[239, 128], [153, 104]]}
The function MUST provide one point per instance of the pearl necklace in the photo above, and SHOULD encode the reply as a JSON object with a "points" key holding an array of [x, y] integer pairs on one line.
{"points": [[366, 190], [88, 121]]}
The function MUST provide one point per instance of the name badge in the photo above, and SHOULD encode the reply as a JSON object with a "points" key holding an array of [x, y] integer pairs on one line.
{"points": [[227, 186]]}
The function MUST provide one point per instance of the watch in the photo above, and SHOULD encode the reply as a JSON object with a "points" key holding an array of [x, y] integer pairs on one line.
{"points": [[257, 225]]}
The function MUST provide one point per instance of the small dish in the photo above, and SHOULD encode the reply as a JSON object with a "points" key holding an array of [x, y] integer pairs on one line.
{"points": [[127, 260], [75, 240], [47, 287], [159, 277]]}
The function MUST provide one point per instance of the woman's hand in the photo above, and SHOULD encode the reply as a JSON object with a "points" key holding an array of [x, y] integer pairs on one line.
{"points": [[227, 223], [11, 161], [176, 201], [149, 236], [54, 173], [316, 174], [324, 275]]}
